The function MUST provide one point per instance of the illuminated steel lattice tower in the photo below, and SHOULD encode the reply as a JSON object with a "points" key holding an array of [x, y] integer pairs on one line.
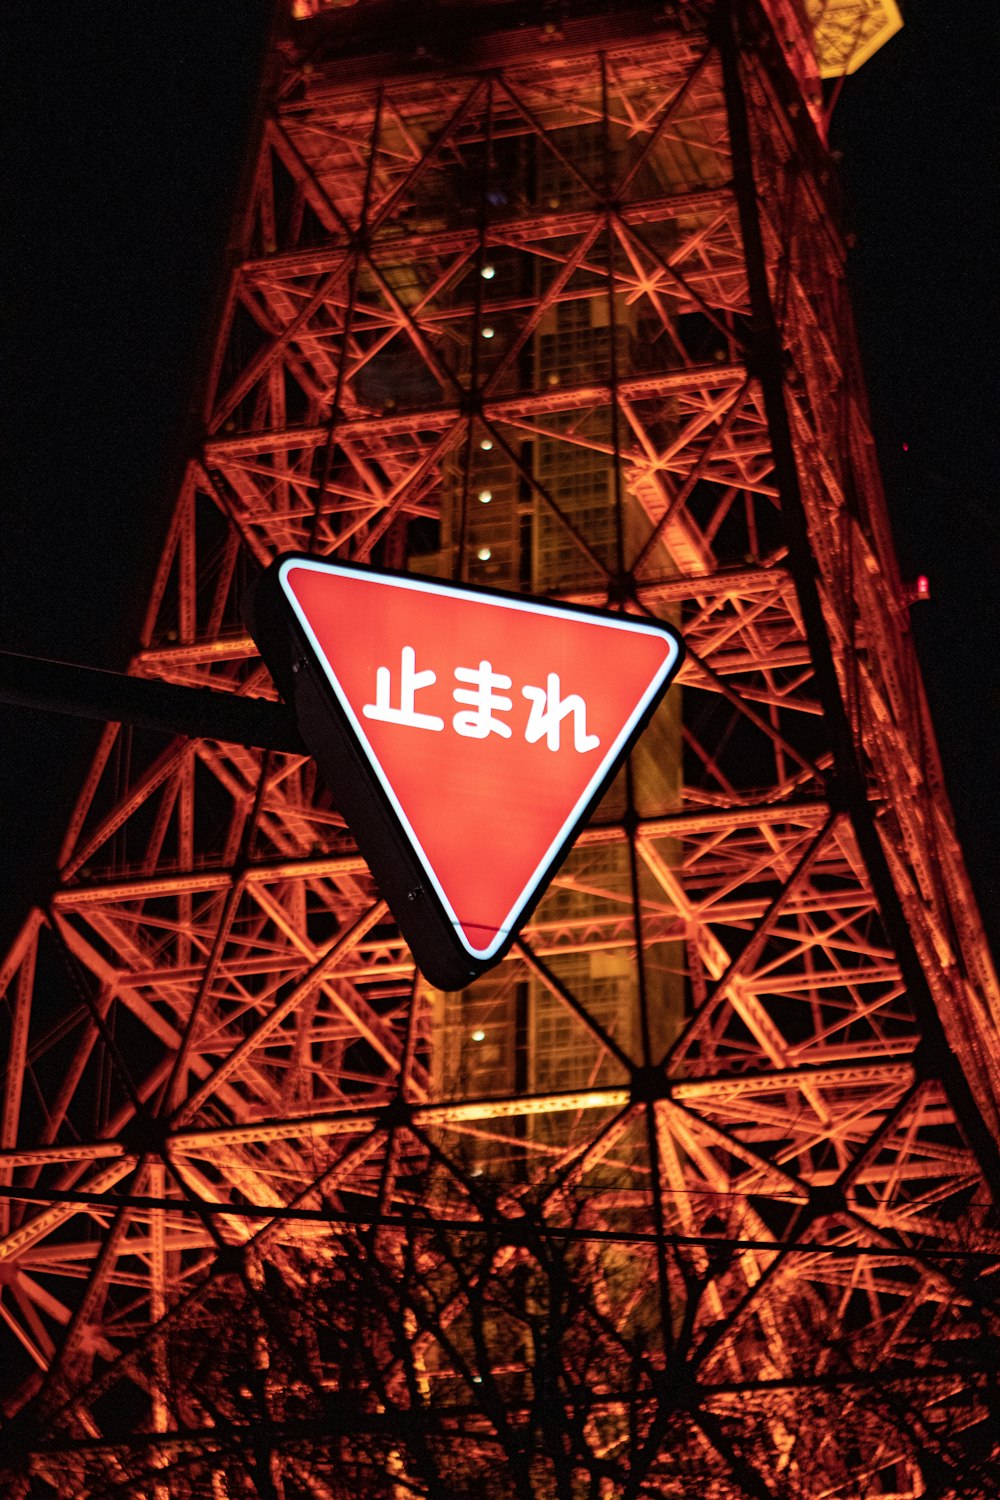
{"points": [[690, 1196]]}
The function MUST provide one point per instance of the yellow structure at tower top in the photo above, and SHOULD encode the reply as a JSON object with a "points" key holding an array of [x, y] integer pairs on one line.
{"points": [[848, 32]]}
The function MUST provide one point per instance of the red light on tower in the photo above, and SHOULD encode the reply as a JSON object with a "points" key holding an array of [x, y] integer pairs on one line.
{"points": [[917, 591]]}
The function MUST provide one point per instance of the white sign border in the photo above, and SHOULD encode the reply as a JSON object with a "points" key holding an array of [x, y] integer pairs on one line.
{"points": [[506, 601]]}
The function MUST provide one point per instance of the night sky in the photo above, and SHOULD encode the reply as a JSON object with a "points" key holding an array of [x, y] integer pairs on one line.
{"points": [[126, 121]]}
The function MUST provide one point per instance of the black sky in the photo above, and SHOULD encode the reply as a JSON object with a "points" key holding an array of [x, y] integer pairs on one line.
{"points": [[126, 120], [918, 130]]}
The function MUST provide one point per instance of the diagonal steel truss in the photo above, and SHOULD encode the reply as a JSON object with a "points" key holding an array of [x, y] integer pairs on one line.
{"points": [[693, 1195]]}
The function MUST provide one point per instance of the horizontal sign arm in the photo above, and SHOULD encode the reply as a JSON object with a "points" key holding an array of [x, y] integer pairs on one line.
{"points": [[88, 693]]}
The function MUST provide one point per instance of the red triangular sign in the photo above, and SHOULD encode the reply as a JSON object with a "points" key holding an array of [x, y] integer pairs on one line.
{"points": [[490, 721]]}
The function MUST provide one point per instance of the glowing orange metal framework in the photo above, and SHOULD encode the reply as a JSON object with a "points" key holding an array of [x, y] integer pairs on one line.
{"points": [[691, 1197]]}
